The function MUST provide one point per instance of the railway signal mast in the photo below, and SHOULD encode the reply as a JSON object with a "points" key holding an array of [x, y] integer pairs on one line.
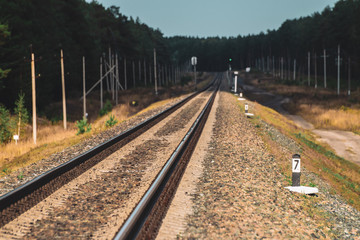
{"points": [[194, 62]]}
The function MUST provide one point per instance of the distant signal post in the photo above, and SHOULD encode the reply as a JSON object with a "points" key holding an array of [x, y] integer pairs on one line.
{"points": [[194, 62]]}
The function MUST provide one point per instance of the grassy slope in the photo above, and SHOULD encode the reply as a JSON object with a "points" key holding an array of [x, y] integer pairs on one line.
{"points": [[344, 176]]}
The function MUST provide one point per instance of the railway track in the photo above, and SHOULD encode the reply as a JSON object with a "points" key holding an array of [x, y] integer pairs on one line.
{"points": [[128, 167]]}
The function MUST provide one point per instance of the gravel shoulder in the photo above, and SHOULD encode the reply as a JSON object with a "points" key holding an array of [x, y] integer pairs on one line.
{"points": [[241, 195]]}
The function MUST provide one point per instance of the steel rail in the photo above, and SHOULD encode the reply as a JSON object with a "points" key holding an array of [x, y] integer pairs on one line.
{"points": [[22, 193], [132, 226]]}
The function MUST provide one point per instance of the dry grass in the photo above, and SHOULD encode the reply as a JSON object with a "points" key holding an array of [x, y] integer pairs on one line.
{"points": [[46, 135], [53, 138], [322, 107], [319, 158], [340, 119]]}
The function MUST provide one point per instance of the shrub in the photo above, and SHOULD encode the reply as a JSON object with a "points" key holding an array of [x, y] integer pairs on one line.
{"points": [[6, 125], [111, 121], [21, 112], [83, 126], [106, 109]]}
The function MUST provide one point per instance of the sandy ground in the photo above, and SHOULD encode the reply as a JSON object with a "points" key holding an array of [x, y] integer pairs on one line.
{"points": [[346, 144]]}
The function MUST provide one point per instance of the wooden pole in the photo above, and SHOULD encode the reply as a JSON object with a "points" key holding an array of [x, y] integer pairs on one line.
{"points": [[349, 77], [139, 71], [84, 90], [308, 68], [338, 72], [101, 85], [117, 78], [125, 73], [63, 89], [111, 75], [325, 84], [112, 64], [166, 75], [107, 75], [133, 68], [282, 68], [150, 73], [315, 71], [33, 95], [294, 69], [145, 72], [273, 64], [155, 75]]}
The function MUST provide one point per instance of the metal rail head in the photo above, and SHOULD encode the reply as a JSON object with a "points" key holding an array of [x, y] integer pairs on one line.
{"points": [[10, 199], [133, 224]]}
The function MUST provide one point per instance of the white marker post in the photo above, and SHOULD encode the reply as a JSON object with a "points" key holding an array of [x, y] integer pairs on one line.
{"points": [[296, 172], [249, 115], [235, 81], [241, 98], [16, 138]]}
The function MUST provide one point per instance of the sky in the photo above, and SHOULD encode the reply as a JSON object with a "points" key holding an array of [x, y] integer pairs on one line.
{"points": [[223, 18]]}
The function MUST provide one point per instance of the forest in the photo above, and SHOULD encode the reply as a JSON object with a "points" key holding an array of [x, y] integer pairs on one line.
{"points": [[79, 28], [333, 29]]}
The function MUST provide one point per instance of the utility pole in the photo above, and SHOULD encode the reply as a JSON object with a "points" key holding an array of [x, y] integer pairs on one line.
{"points": [[155, 75], [282, 68], [133, 68], [294, 69], [140, 71], [315, 71], [166, 75], [145, 72], [338, 73], [33, 95], [117, 78], [101, 85], [308, 68], [349, 77], [125, 73], [325, 84], [150, 73], [84, 91], [112, 74], [63, 89]]}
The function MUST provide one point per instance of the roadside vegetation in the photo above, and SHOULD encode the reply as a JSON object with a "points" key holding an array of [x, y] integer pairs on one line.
{"points": [[52, 138], [321, 107], [344, 176]]}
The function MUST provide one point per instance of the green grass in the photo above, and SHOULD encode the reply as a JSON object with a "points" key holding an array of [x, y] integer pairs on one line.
{"points": [[317, 147]]}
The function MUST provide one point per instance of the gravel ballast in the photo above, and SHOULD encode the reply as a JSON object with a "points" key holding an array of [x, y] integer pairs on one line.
{"points": [[241, 194]]}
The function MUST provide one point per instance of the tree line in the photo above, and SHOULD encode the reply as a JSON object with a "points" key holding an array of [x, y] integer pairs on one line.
{"points": [[44, 27], [296, 39]]}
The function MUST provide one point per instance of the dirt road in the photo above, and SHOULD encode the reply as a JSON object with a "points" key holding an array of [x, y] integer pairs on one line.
{"points": [[346, 144]]}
